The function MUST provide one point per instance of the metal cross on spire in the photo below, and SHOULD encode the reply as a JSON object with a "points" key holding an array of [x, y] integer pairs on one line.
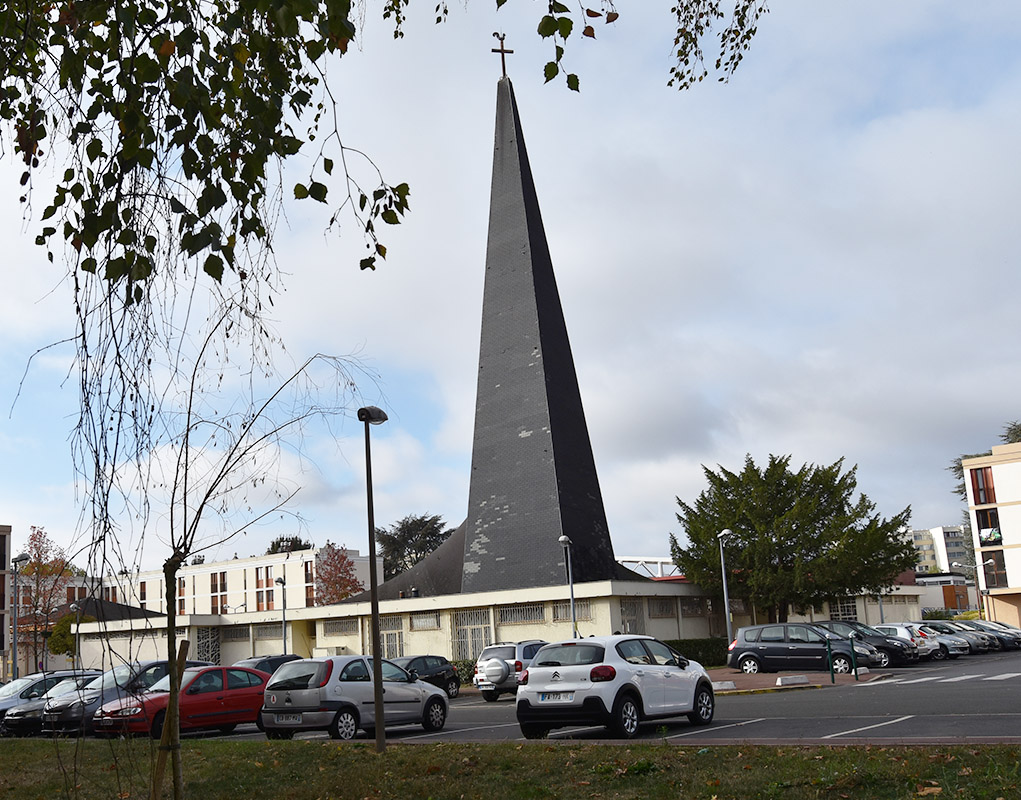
{"points": [[502, 51]]}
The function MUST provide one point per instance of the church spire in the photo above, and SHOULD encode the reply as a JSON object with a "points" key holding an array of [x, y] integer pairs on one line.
{"points": [[533, 474]]}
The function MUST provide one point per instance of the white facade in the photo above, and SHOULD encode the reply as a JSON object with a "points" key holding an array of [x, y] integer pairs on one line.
{"points": [[993, 484], [228, 587], [938, 548]]}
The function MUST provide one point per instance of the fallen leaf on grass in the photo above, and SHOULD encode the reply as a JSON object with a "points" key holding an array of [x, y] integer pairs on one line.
{"points": [[964, 771], [928, 790]]}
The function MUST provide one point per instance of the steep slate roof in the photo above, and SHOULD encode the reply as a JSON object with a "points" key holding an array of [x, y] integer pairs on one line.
{"points": [[533, 474]]}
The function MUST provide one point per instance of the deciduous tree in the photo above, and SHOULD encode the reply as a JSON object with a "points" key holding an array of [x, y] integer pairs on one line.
{"points": [[42, 583], [798, 538], [335, 575]]}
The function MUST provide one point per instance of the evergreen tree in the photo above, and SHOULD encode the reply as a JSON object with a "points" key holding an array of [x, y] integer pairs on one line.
{"points": [[288, 544], [407, 542], [798, 538]]}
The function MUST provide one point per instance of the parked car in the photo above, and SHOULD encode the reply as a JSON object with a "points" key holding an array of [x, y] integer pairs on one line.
{"points": [[500, 664], [335, 694], [433, 669], [267, 664], [892, 649], [1006, 638], [73, 713], [796, 645], [927, 648], [977, 642], [616, 681], [950, 646], [30, 687], [218, 698], [26, 719]]}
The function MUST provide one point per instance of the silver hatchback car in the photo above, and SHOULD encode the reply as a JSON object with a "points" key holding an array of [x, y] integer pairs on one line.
{"points": [[335, 694]]}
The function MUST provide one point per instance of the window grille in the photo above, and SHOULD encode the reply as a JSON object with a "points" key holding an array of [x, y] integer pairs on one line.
{"points": [[631, 616], [662, 607], [234, 633], [471, 633], [340, 627], [693, 607], [846, 608], [521, 614], [268, 630], [391, 622], [562, 610], [425, 621]]}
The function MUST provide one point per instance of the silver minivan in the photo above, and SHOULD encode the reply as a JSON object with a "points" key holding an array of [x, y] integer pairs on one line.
{"points": [[335, 694]]}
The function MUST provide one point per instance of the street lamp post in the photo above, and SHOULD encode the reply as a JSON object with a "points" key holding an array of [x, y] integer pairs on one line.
{"points": [[566, 542], [988, 562], [371, 415], [726, 597], [77, 622], [46, 634], [282, 583], [17, 562]]}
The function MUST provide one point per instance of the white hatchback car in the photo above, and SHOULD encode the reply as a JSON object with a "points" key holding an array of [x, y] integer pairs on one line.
{"points": [[616, 681], [335, 694]]}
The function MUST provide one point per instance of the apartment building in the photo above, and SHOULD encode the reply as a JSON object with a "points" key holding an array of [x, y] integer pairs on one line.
{"points": [[993, 484], [939, 548]]}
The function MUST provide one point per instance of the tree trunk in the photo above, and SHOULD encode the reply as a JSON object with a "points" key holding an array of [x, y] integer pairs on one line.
{"points": [[170, 741]]}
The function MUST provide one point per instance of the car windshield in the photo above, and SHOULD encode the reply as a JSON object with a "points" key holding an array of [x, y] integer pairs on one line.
{"points": [[16, 687], [295, 675], [118, 676], [560, 655], [868, 630], [63, 687], [402, 662]]}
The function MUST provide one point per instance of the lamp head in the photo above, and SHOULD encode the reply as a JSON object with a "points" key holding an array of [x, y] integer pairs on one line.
{"points": [[280, 581], [565, 540], [372, 415], [20, 561], [724, 533]]}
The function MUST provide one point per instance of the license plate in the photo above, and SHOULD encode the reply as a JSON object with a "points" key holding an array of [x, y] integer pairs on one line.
{"points": [[288, 719], [556, 697]]}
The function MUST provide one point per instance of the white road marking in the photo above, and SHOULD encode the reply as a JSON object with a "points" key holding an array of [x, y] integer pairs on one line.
{"points": [[1003, 677], [869, 727], [961, 678], [715, 728], [920, 680]]}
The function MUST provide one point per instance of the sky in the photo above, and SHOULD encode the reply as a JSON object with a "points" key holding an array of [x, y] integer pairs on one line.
{"points": [[816, 259]]}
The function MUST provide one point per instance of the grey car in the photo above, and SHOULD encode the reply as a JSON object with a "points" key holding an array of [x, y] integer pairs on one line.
{"points": [[501, 664], [73, 713], [31, 687], [780, 646], [27, 719], [335, 694]]}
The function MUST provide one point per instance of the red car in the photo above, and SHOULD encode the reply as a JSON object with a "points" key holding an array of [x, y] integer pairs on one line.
{"points": [[211, 697]]}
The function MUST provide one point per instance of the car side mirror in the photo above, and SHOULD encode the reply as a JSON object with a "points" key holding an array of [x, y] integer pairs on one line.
{"points": [[192, 690], [413, 675]]}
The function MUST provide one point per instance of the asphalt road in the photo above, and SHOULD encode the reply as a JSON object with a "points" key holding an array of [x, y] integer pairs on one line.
{"points": [[973, 699]]}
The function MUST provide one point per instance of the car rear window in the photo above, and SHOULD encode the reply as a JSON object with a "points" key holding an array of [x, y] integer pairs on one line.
{"points": [[506, 653], [561, 655], [295, 675]]}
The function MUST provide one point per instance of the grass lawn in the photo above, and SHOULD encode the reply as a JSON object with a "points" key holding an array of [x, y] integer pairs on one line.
{"points": [[250, 770]]}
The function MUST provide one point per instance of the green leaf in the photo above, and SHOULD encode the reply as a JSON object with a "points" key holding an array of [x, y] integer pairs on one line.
{"points": [[560, 8], [551, 70], [300, 191], [213, 267], [317, 191], [572, 83], [390, 217], [367, 263], [362, 200], [565, 25], [547, 27], [328, 165], [94, 150]]}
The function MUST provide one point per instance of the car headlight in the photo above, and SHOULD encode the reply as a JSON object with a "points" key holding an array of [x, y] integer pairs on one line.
{"points": [[132, 711], [36, 712], [861, 650]]}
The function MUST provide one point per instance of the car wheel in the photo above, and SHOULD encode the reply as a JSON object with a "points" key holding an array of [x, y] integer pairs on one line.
{"points": [[156, 730], [344, 725], [884, 658], [841, 665], [226, 728], [704, 706], [453, 688], [490, 696], [748, 665], [941, 652], [279, 734], [532, 731], [625, 717], [258, 722], [435, 715]]}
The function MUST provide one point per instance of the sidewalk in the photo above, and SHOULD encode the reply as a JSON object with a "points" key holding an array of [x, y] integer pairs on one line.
{"points": [[732, 681]]}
